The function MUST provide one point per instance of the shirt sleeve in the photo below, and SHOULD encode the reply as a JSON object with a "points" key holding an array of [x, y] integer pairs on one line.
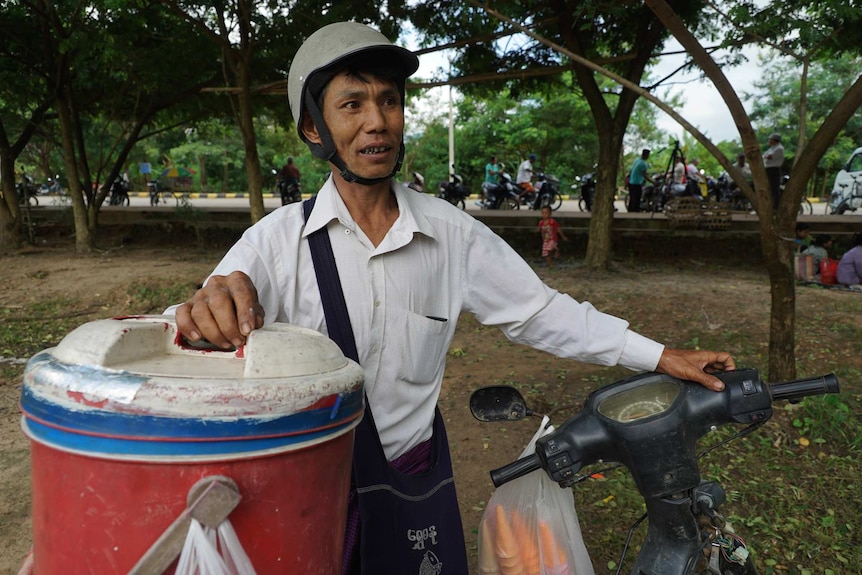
{"points": [[502, 290]]}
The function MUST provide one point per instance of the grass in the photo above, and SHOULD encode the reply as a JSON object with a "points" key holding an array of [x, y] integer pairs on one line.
{"points": [[40, 325]]}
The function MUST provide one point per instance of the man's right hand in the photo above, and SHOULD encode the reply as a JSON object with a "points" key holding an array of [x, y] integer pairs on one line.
{"points": [[223, 312]]}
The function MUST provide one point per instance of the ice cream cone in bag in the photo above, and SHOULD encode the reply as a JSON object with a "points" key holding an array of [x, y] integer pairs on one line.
{"points": [[528, 540], [487, 557], [506, 546], [554, 558]]}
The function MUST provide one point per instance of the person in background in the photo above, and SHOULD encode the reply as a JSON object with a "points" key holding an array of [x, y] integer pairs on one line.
{"points": [[492, 175], [146, 169], [525, 177], [637, 176], [411, 265], [803, 236], [773, 161], [551, 234], [744, 168], [678, 177], [850, 265], [290, 173], [819, 249], [691, 172]]}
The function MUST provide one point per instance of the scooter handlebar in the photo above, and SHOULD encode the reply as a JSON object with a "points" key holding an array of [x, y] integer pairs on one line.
{"points": [[797, 389], [515, 469]]}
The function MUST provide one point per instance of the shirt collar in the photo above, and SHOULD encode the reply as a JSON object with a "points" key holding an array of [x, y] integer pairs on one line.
{"points": [[329, 206]]}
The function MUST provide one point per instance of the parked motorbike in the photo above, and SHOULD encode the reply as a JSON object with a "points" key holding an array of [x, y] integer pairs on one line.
{"points": [[119, 192], [417, 183], [502, 196], [547, 193], [52, 186], [662, 191], [453, 190], [290, 192], [27, 190], [588, 191]]}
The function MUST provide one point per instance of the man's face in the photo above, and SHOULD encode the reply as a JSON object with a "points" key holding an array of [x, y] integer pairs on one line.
{"points": [[366, 120]]}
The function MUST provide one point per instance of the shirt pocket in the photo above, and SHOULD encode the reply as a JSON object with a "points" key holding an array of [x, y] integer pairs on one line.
{"points": [[423, 342]]}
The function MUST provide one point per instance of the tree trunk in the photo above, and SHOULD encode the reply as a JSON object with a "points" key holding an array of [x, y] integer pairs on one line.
{"points": [[600, 246], [10, 232], [83, 239], [202, 172], [249, 143]]}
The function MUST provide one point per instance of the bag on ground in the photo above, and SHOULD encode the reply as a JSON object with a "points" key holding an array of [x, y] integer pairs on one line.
{"points": [[828, 271], [530, 527]]}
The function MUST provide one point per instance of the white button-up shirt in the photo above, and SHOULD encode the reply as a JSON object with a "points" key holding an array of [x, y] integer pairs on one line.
{"points": [[405, 295]]}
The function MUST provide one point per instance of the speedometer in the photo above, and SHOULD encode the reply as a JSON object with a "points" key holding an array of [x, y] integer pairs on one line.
{"points": [[640, 402]]}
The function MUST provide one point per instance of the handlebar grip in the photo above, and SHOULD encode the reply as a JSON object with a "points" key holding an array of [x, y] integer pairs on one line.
{"points": [[515, 469], [799, 388]]}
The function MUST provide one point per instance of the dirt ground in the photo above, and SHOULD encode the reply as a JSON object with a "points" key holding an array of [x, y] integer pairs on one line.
{"points": [[683, 303]]}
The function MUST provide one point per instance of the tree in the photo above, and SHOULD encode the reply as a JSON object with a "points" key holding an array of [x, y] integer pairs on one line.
{"points": [[791, 23], [104, 93], [24, 103]]}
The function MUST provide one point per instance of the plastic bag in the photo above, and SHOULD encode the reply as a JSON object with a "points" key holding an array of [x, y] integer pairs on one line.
{"points": [[828, 270], [804, 266], [200, 555], [530, 527]]}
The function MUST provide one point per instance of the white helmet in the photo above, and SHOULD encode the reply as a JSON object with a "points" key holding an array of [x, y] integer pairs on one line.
{"points": [[322, 55]]}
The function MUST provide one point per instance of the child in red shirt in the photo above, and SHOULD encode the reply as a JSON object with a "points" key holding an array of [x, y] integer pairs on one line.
{"points": [[551, 232]]}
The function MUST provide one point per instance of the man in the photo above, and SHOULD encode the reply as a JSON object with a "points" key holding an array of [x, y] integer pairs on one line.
{"points": [[692, 174], [288, 183], [290, 173], [637, 176], [744, 168], [410, 264], [773, 161], [492, 176], [525, 176]]}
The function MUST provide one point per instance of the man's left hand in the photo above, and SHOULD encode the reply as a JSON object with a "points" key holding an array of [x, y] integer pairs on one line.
{"points": [[696, 365]]}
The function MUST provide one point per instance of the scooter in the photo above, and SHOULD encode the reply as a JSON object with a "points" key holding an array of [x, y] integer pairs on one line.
{"points": [[547, 193], [119, 193], [503, 196], [27, 190], [453, 190], [417, 183], [290, 192], [651, 424], [588, 191]]}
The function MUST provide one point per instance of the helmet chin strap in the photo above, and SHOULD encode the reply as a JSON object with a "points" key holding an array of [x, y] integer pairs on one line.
{"points": [[326, 151]]}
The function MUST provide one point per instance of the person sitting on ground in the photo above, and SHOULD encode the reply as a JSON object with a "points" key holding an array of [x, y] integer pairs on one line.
{"points": [[803, 236], [850, 266], [819, 249]]}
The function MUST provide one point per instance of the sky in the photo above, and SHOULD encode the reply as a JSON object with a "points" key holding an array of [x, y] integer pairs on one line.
{"points": [[703, 106]]}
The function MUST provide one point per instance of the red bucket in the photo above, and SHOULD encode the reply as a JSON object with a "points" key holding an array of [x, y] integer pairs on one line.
{"points": [[124, 419]]}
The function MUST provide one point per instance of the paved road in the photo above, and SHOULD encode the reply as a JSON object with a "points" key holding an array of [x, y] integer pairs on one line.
{"points": [[819, 208]]}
